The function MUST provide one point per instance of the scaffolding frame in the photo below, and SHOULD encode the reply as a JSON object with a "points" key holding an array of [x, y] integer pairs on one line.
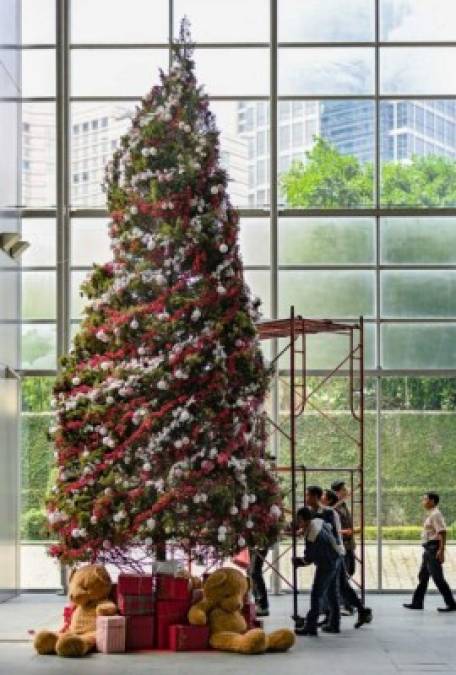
{"points": [[295, 330]]}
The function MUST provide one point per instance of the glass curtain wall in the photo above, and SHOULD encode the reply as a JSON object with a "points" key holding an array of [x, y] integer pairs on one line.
{"points": [[338, 130]]}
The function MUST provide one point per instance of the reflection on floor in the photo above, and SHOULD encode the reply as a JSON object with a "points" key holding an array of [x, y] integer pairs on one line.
{"points": [[396, 642]]}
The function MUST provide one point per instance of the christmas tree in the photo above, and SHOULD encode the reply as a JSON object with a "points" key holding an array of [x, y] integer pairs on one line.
{"points": [[159, 430]]}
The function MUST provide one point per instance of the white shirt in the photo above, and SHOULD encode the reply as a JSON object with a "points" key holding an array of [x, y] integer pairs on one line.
{"points": [[434, 524]]}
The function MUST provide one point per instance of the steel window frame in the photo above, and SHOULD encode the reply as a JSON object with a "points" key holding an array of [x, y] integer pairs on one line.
{"points": [[63, 211]]}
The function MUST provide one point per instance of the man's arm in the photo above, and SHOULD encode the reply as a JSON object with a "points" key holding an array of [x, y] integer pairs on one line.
{"points": [[440, 555]]}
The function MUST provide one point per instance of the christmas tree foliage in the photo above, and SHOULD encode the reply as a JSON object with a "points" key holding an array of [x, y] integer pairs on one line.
{"points": [[159, 429]]}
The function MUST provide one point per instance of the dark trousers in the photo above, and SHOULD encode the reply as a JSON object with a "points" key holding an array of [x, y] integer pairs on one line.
{"points": [[350, 562], [348, 594], [256, 572], [325, 585], [431, 567]]}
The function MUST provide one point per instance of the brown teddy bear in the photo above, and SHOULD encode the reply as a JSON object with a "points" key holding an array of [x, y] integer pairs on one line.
{"points": [[224, 593], [89, 589]]}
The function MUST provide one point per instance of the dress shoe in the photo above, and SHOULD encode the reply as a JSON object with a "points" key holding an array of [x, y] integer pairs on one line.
{"points": [[364, 616], [309, 632], [323, 621], [330, 629], [450, 608], [409, 605]]}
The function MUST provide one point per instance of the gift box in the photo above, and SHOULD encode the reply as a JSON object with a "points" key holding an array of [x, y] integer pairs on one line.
{"points": [[68, 612], [169, 567], [136, 605], [140, 633], [135, 584], [135, 594], [172, 588], [169, 612], [188, 638], [197, 595], [110, 634]]}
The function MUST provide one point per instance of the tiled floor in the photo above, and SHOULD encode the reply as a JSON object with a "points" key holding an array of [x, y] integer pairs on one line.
{"points": [[398, 642]]}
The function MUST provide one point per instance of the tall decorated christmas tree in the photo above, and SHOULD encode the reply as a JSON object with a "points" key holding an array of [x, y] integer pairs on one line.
{"points": [[159, 430]]}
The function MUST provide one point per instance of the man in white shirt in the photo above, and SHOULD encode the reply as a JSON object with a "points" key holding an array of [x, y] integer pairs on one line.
{"points": [[433, 540]]}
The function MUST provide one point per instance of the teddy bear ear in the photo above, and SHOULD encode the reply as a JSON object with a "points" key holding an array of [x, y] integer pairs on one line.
{"points": [[216, 579], [102, 573]]}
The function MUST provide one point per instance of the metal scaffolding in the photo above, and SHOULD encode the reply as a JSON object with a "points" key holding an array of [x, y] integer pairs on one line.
{"points": [[294, 331]]}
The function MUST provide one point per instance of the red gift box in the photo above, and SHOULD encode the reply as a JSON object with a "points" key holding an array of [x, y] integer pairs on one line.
{"points": [[68, 612], [110, 634], [135, 584], [249, 614], [135, 594], [169, 612], [188, 638], [136, 605], [140, 633], [172, 588]]}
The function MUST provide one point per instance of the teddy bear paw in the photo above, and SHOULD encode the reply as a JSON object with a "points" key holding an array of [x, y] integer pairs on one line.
{"points": [[45, 642], [71, 646]]}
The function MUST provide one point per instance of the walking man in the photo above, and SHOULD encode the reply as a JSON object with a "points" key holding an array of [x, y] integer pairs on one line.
{"points": [[324, 552], [260, 591], [347, 592], [346, 521], [433, 540]]}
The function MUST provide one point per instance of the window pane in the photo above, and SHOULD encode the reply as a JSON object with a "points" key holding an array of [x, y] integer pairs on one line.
{"points": [[259, 282], [116, 21], [38, 21], [332, 167], [254, 241], [10, 73], [326, 241], [96, 129], [9, 344], [38, 295], [418, 163], [409, 20], [418, 423], [418, 346], [327, 294], [38, 72], [90, 242], [233, 72], [78, 302], [97, 72], [325, 351], [418, 294], [234, 21], [36, 454], [417, 70], [9, 295], [418, 240], [9, 176], [39, 346], [236, 122], [40, 233], [38, 154], [323, 21], [315, 72]]}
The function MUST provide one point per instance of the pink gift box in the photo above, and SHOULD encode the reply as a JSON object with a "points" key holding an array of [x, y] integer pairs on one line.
{"points": [[110, 634]]}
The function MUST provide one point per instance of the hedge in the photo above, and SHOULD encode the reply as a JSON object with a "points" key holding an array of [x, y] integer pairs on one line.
{"points": [[419, 454]]}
